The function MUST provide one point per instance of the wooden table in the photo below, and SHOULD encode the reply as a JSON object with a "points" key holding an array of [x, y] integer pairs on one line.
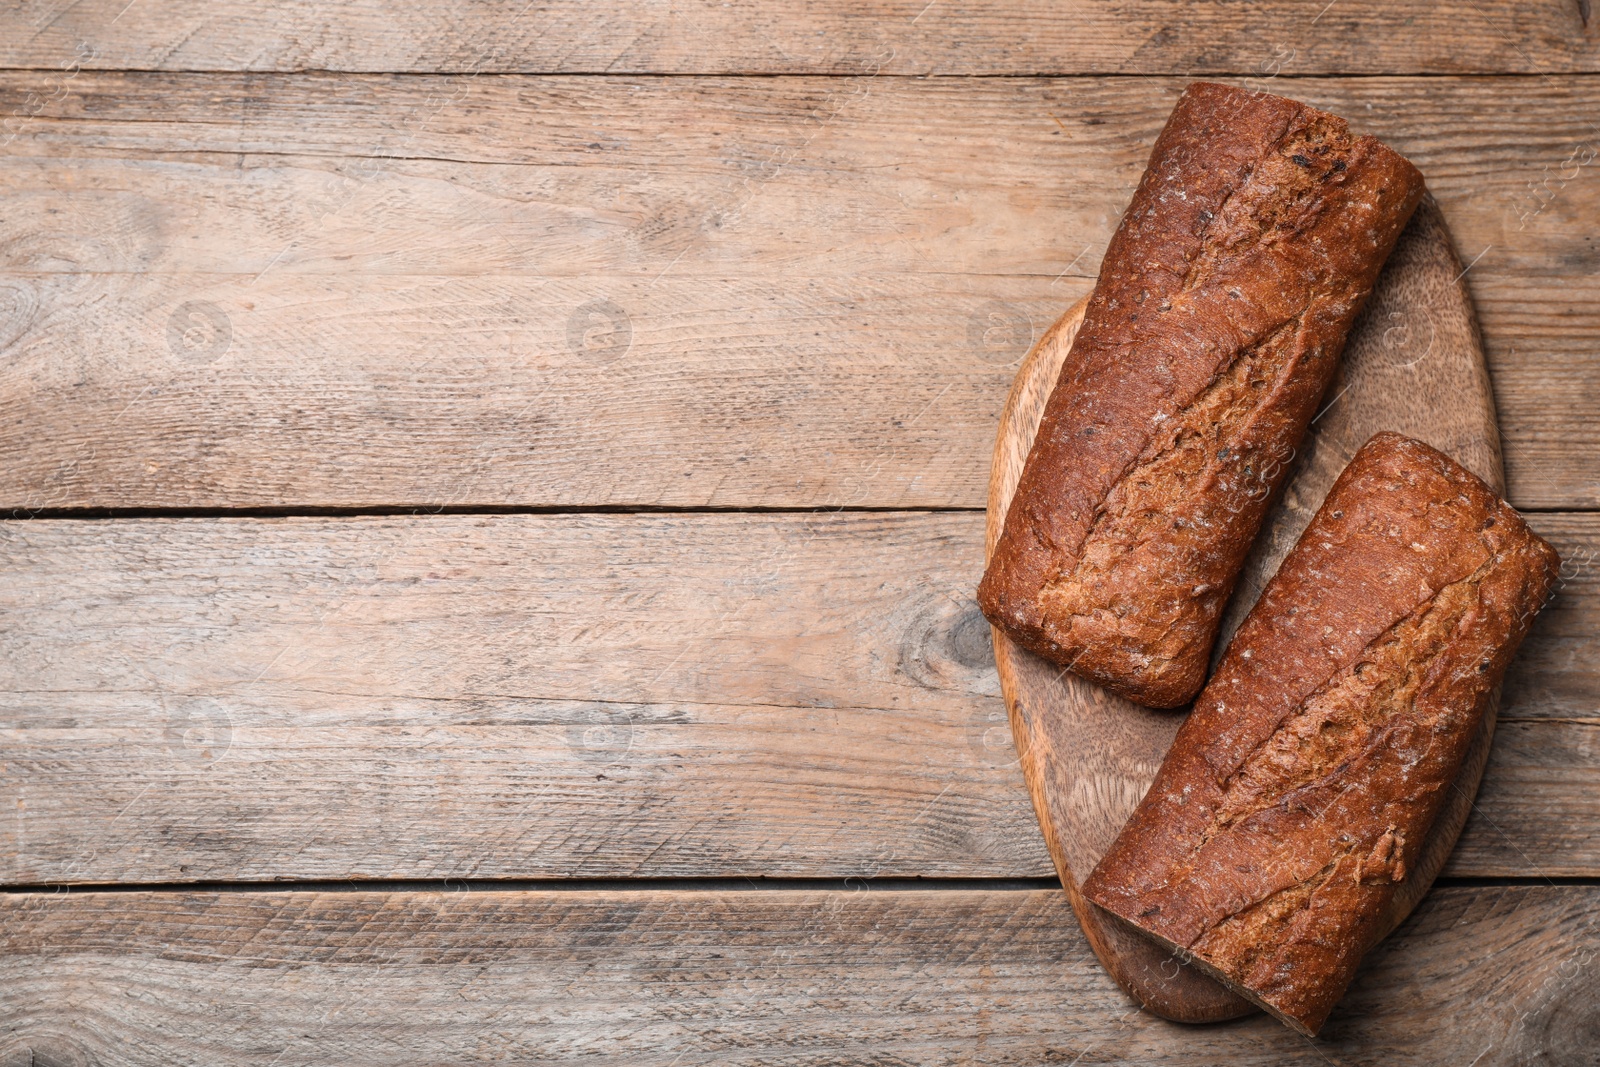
{"points": [[495, 495]]}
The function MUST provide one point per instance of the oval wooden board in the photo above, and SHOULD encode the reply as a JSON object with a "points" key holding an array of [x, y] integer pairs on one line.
{"points": [[1414, 363]]}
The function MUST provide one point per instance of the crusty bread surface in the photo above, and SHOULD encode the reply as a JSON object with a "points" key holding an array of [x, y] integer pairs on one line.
{"points": [[1298, 793], [1222, 306]]}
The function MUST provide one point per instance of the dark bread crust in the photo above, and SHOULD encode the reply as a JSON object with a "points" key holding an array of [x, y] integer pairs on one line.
{"points": [[1301, 789], [1254, 238]]}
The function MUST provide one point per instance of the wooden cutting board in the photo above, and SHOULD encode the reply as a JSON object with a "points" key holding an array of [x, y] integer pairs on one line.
{"points": [[1415, 364]]}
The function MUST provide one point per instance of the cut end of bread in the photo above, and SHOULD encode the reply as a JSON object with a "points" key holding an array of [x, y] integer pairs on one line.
{"points": [[1309, 1026]]}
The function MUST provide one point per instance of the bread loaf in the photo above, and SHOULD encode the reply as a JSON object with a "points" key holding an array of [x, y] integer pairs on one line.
{"points": [[1301, 788], [1222, 307]]}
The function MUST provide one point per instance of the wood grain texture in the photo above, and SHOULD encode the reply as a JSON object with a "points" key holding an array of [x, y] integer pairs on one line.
{"points": [[252, 290], [835, 36], [248, 290], [502, 696], [1491, 976], [1556, 673], [569, 696]]}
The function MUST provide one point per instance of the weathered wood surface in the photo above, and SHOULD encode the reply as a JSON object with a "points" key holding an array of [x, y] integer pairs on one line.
{"points": [[1557, 670], [600, 695], [256, 290], [230, 290], [1489, 976], [834, 36]]}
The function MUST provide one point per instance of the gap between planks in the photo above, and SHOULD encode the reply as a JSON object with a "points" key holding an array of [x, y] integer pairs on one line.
{"points": [[417, 511], [1034, 75], [745, 884]]}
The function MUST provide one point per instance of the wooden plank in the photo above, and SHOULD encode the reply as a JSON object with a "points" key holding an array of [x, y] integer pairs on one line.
{"points": [[439, 391], [1491, 976], [832, 36], [1552, 691], [363, 291], [1555, 675], [502, 696], [1538, 809], [567, 696]]}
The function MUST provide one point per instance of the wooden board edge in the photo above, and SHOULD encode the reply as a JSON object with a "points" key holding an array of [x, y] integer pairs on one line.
{"points": [[1200, 998]]}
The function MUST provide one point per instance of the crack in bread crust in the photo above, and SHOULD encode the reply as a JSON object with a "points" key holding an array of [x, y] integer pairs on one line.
{"points": [[1223, 303], [1300, 794], [1279, 196], [1340, 720], [1235, 942], [1171, 496]]}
